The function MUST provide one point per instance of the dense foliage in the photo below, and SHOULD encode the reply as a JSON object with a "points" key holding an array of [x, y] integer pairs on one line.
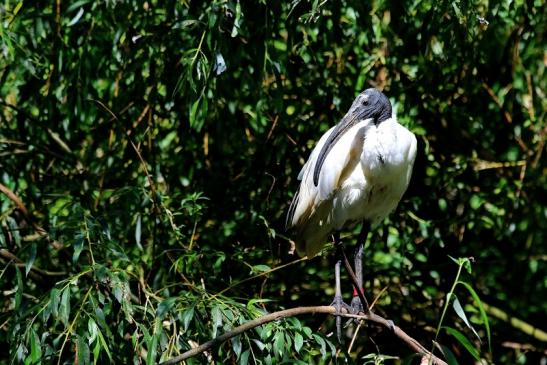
{"points": [[149, 150]]}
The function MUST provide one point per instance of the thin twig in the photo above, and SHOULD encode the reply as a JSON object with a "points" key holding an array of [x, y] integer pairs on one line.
{"points": [[258, 275], [21, 206], [20, 263], [409, 341]]}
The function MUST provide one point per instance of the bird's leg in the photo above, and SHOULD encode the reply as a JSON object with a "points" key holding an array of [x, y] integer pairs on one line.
{"points": [[356, 304], [338, 303]]}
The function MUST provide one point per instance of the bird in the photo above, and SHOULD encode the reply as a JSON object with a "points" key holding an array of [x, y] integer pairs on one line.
{"points": [[356, 173]]}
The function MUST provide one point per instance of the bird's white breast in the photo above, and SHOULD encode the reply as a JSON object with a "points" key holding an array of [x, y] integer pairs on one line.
{"points": [[377, 183]]}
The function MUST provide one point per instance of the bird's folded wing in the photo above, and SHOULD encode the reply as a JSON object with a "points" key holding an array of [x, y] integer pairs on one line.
{"points": [[340, 161]]}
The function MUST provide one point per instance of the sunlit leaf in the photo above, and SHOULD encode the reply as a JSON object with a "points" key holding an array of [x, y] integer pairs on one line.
{"points": [[260, 344], [261, 268], [31, 258], [236, 345], [78, 247], [54, 299], [93, 330], [216, 316], [64, 306], [220, 64], [237, 20], [461, 313], [298, 342], [279, 343], [76, 18], [138, 228], [484, 316]]}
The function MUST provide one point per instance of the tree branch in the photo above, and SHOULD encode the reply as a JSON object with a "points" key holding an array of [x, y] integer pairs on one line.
{"points": [[397, 331]]}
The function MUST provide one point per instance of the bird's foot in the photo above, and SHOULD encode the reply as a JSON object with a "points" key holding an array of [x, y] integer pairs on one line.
{"points": [[356, 305], [338, 304]]}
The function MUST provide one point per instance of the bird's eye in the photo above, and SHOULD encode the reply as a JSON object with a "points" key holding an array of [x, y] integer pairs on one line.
{"points": [[365, 101]]}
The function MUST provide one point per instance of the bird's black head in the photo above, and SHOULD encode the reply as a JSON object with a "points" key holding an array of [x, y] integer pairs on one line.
{"points": [[371, 103]]}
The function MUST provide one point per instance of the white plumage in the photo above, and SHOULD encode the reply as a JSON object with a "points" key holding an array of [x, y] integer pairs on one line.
{"points": [[363, 177]]}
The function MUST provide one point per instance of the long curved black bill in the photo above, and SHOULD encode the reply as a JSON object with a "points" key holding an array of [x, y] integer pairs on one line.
{"points": [[345, 124]]}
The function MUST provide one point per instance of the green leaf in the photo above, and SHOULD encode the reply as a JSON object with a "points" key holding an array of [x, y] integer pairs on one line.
{"points": [[138, 228], [14, 230], [236, 345], [244, 360], [458, 12], [482, 311], [228, 314], [152, 343], [78, 247], [321, 343], [298, 342], [64, 306], [17, 8], [279, 343], [19, 292], [464, 341], [260, 268], [164, 307], [260, 344], [35, 347], [96, 351], [76, 18], [448, 355], [54, 299], [467, 264], [461, 313], [118, 292], [193, 114], [462, 261], [332, 348], [104, 345], [46, 313], [237, 20], [93, 330], [31, 258], [186, 317], [83, 351], [252, 304], [216, 315], [76, 5]]}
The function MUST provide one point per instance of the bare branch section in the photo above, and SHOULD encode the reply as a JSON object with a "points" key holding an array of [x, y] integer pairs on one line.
{"points": [[397, 331]]}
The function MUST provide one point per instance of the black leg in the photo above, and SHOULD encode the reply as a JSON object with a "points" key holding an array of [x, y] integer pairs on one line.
{"points": [[338, 302], [356, 304]]}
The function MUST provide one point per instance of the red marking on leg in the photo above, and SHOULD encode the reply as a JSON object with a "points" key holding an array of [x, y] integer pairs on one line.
{"points": [[355, 294]]}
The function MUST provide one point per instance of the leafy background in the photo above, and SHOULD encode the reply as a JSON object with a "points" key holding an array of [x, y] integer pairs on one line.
{"points": [[154, 147]]}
